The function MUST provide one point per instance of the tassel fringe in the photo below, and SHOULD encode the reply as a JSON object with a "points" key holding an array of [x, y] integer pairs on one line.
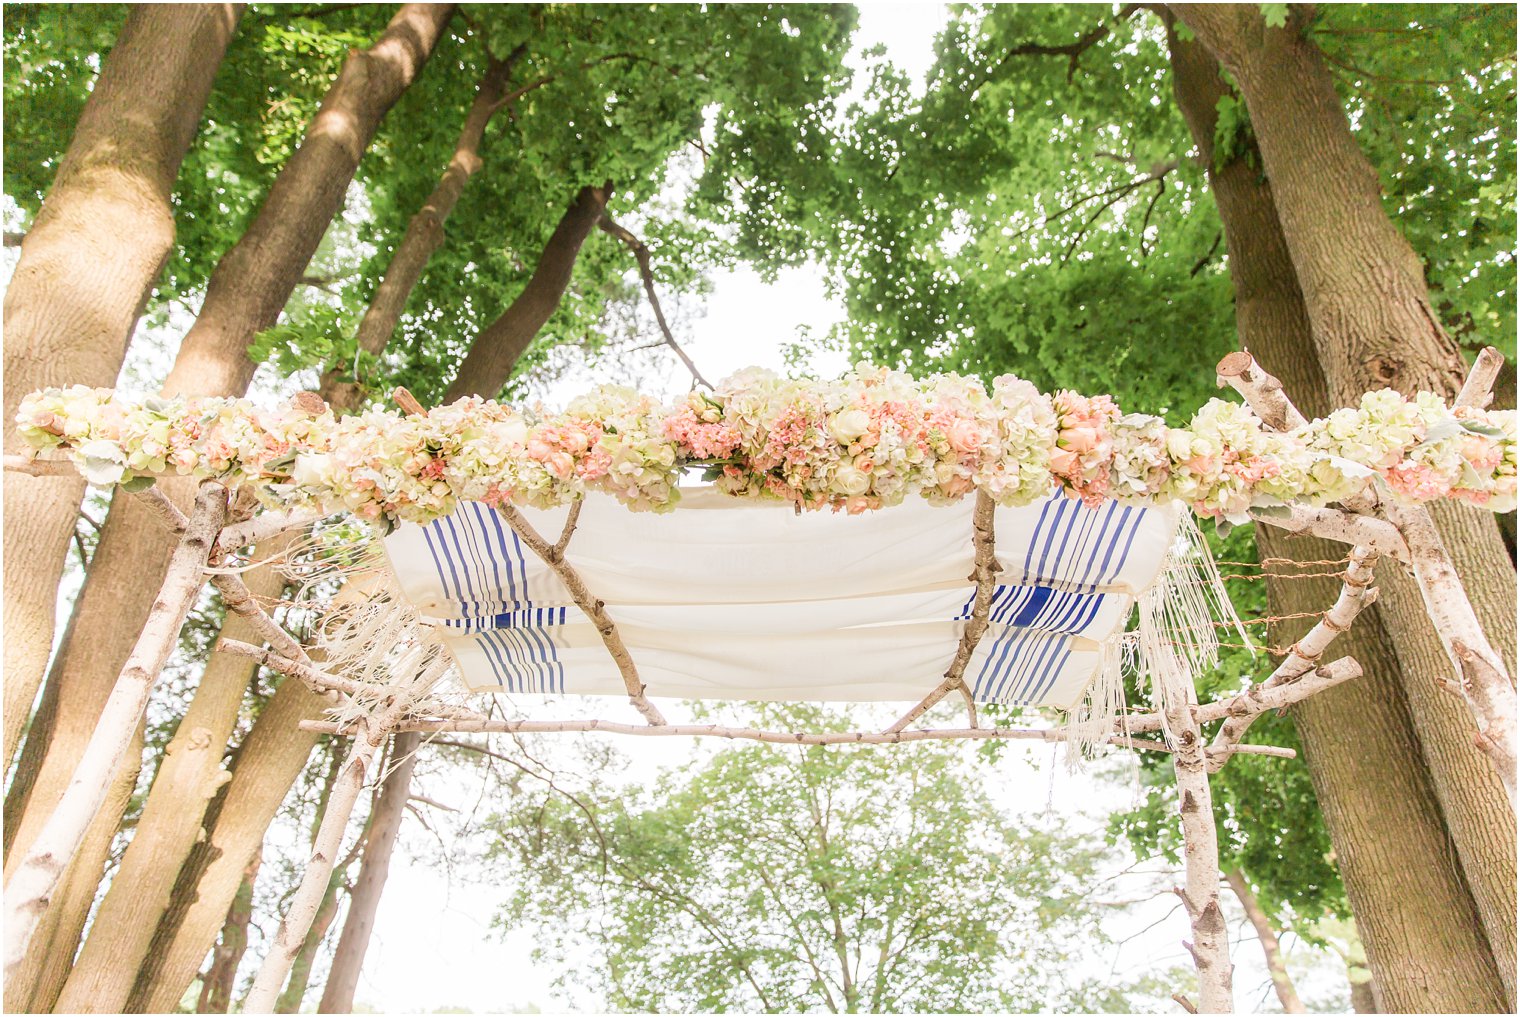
{"points": [[1174, 642]]}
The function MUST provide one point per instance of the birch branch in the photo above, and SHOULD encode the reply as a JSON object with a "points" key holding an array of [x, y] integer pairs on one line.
{"points": [[553, 556], [760, 735], [29, 893], [40, 467], [1262, 391], [1200, 838], [168, 513], [302, 911], [1261, 697], [303, 671], [1264, 394], [239, 599], [261, 527], [1345, 527], [984, 575], [1477, 390], [1357, 593], [1482, 677]]}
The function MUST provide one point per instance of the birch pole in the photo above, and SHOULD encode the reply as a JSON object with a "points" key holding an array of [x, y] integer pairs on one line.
{"points": [[1200, 895], [302, 909], [1483, 680], [29, 892]]}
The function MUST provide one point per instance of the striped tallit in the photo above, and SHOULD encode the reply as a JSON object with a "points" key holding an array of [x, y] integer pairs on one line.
{"points": [[728, 599]]}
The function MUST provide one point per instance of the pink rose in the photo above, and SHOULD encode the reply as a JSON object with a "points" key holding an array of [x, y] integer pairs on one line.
{"points": [[964, 436], [1080, 439], [1062, 460]]}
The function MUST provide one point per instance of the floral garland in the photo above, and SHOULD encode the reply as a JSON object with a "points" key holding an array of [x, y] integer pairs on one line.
{"points": [[864, 441]]}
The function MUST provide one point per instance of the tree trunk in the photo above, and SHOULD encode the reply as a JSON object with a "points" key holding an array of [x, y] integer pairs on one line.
{"points": [[488, 365], [424, 233], [268, 762], [364, 901], [31, 892], [1282, 983], [220, 981], [190, 774], [300, 971], [1394, 853], [189, 777], [1373, 326], [1363, 995], [245, 294], [88, 264]]}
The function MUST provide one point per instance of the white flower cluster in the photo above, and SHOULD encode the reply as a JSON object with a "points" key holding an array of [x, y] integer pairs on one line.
{"points": [[861, 442]]}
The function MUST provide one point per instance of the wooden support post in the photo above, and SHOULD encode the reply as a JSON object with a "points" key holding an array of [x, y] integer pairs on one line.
{"points": [[1200, 894], [30, 890], [1480, 673], [553, 555], [984, 575], [1481, 676], [302, 909]]}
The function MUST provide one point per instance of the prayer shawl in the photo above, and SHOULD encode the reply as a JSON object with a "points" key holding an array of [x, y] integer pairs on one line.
{"points": [[742, 600]]}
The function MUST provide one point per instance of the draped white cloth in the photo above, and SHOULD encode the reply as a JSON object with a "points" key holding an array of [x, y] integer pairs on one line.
{"points": [[743, 600]]}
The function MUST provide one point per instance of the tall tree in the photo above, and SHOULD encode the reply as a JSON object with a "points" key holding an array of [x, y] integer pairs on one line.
{"points": [[804, 879], [374, 868], [245, 294], [1374, 325], [88, 264], [1273, 322]]}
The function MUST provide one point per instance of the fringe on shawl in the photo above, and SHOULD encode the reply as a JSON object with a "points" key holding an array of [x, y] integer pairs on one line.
{"points": [[1174, 642], [370, 633]]}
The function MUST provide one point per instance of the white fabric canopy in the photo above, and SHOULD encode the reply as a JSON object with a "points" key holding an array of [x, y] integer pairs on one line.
{"points": [[729, 599]]}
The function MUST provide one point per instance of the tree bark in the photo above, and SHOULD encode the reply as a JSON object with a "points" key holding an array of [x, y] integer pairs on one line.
{"points": [[300, 972], [30, 892], [220, 981], [188, 778], [1373, 326], [268, 762], [424, 232], [190, 774], [364, 901], [306, 902], [1266, 933], [1200, 894], [1359, 976], [1412, 903], [88, 264], [488, 365], [245, 294]]}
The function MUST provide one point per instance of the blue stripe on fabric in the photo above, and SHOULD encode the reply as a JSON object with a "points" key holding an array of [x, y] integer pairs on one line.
{"points": [[515, 643]]}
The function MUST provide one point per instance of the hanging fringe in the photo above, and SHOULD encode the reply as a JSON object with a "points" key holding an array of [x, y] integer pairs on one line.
{"points": [[1174, 642], [1177, 635], [1090, 724], [369, 632]]}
